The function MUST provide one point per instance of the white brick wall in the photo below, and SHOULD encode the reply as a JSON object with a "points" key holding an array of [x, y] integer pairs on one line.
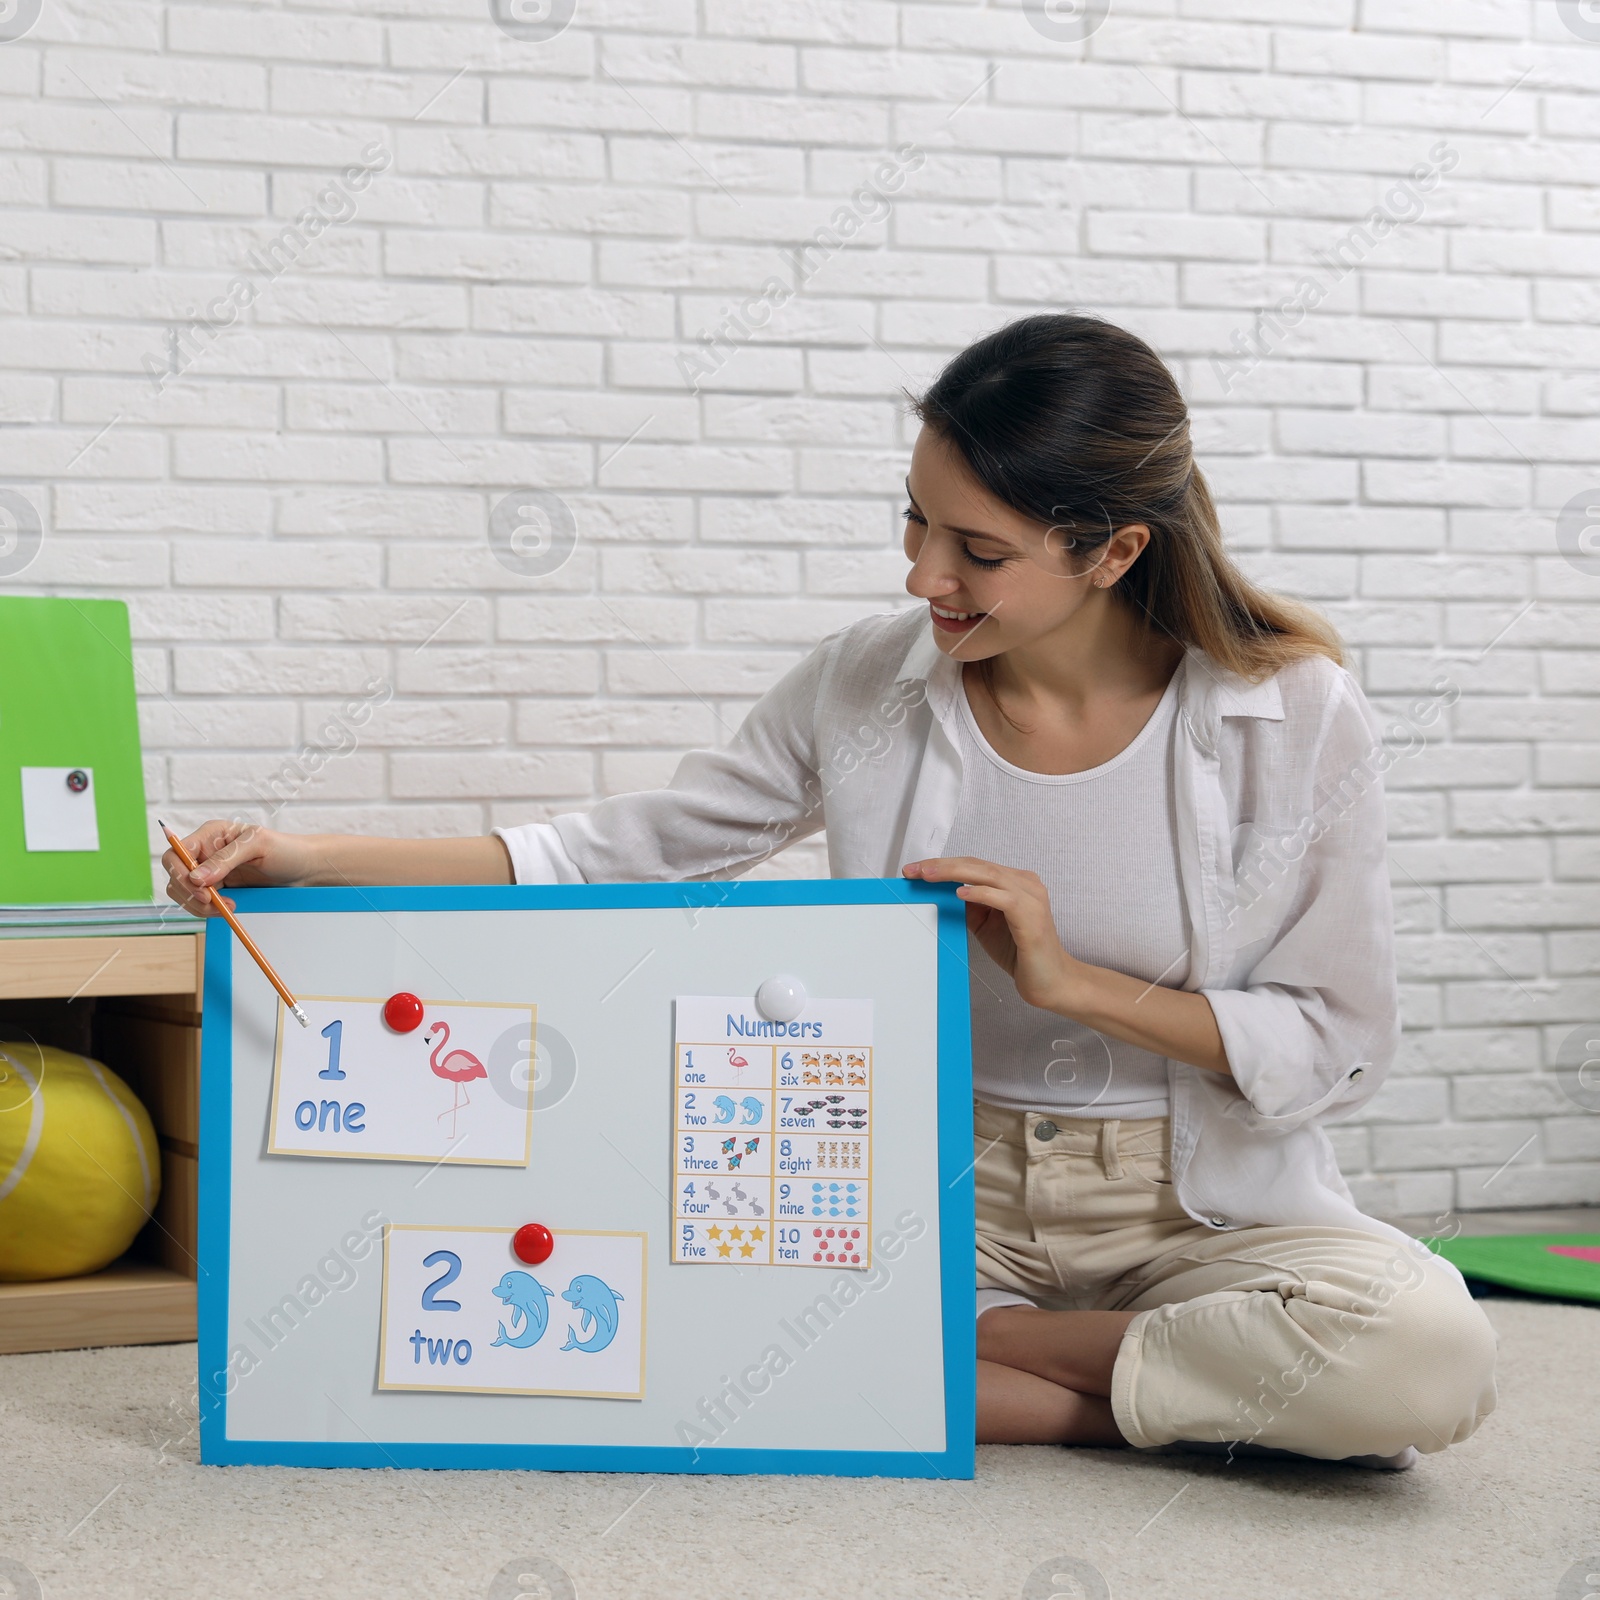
{"points": [[298, 516]]}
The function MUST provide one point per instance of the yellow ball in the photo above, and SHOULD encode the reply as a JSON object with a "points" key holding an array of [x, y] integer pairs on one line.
{"points": [[80, 1169]]}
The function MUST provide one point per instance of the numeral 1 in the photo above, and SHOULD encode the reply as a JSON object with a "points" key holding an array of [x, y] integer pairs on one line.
{"points": [[332, 1033]]}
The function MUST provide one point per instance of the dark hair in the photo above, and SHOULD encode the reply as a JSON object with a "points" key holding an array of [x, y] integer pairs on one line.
{"points": [[1078, 424]]}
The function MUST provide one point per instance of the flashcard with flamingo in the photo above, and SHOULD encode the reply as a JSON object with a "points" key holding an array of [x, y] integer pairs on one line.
{"points": [[772, 1136], [453, 1082], [462, 1312]]}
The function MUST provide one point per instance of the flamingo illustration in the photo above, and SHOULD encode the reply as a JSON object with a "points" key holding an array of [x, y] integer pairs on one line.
{"points": [[738, 1063], [459, 1067]]}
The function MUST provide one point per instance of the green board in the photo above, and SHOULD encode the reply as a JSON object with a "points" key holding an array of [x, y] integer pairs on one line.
{"points": [[1564, 1265], [68, 720]]}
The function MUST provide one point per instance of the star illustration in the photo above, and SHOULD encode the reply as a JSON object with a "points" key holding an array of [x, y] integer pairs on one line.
{"points": [[736, 1233], [757, 1235], [713, 1232], [724, 1249], [747, 1249]]}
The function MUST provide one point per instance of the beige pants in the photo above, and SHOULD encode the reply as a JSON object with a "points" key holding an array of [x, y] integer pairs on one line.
{"points": [[1320, 1340]]}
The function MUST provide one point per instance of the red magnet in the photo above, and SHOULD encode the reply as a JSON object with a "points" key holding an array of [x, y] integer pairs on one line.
{"points": [[533, 1242], [403, 1012]]}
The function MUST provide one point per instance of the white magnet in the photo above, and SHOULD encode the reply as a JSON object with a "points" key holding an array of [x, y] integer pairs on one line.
{"points": [[781, 998]]}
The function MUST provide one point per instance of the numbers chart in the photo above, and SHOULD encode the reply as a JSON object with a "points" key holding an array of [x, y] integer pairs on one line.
{"points": [[772, 1135]]}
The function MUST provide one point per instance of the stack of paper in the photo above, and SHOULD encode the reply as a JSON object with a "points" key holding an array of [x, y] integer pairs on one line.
{"points": [[124, 916]]}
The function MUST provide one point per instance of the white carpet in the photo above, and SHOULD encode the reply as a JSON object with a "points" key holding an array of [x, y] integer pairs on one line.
{"points": [[102, 1495]]}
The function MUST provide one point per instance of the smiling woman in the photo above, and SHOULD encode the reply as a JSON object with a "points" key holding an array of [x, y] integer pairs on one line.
{"points": [[1061, 445], [1094, 708]]}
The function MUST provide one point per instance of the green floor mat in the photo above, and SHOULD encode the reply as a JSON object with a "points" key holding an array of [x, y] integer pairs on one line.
{"points": [[1565, 1265]]}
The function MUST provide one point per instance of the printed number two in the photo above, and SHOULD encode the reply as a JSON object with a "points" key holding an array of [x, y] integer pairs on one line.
{"points": [[452, 1271]]}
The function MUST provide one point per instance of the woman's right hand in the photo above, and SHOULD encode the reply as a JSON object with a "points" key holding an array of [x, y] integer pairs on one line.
{"points": [[236, 855]]}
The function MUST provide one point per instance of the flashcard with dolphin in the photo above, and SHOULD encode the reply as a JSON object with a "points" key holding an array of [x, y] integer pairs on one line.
{"points": [[462, 1314]]}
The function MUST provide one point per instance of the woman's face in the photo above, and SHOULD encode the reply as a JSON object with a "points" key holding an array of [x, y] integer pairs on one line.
{"points": [[993, 578]]}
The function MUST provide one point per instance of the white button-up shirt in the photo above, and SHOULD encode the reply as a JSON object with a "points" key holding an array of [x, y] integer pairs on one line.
{"points": [[1281, 845]]}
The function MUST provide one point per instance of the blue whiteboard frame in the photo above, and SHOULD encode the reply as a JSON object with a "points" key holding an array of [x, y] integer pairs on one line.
{"points": [[957, 1225]]}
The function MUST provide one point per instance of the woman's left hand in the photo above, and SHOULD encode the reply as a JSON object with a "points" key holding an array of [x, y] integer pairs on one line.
{"points": [[1008, 911]]}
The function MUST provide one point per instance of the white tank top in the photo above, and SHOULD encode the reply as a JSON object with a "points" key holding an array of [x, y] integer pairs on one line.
{"points": [[1105, 843]]}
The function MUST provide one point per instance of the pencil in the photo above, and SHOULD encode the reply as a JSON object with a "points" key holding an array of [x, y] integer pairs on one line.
{"points": [[233, 922]]}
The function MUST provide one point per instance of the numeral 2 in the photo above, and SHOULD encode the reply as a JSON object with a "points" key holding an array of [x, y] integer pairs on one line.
{"points": [[451, 1272]]}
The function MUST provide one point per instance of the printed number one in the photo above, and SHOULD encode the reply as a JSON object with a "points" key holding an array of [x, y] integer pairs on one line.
{"points": [[332, 1034]]}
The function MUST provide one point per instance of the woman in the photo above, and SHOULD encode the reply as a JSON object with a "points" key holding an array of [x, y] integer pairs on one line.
{"points": [[1160, 793]]}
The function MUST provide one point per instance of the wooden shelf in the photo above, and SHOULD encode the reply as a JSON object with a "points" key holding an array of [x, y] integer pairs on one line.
{"points": [[133, 1002], [117, 963], [130, 1302]]}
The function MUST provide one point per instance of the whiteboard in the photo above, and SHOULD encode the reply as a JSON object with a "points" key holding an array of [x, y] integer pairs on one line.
{"points": [[875, 1371]]}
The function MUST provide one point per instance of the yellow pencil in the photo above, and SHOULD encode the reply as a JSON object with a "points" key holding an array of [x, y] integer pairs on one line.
{"points": [[233, 922]]}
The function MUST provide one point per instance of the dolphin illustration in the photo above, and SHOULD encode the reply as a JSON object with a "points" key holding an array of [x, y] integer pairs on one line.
{"points": [[529, 1301], [724, 1108], [752, 1110], [598, 1303]]}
